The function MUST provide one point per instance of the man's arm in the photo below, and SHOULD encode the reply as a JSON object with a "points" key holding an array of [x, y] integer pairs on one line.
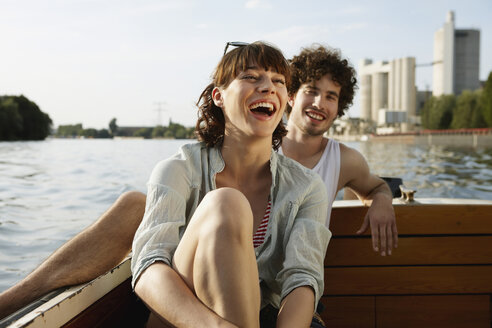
{"points": [[92, 252], [373, 191], [297, 308]]}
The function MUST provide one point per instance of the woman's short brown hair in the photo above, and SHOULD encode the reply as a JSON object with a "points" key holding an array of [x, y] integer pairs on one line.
{"points": [[211, 123]]}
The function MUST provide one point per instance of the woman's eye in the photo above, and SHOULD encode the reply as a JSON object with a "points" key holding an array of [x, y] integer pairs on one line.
{"points": [[281, 81], [249, 77]]}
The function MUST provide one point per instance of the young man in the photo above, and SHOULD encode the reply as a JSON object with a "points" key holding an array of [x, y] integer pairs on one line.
{"points": [[322, 89]]}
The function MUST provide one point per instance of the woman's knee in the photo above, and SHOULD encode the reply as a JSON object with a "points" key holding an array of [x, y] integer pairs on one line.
{"points": [[228, 212]]}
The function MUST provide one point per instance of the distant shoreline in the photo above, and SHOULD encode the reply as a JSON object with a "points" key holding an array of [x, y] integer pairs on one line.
{"points": [[460, 138]]}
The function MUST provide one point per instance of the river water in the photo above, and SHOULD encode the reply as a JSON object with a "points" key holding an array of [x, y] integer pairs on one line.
{"points": [[50, 190]]}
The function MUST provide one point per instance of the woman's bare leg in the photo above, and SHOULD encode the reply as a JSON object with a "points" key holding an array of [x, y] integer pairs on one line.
{"points": [[89, 254], [216, 257]]}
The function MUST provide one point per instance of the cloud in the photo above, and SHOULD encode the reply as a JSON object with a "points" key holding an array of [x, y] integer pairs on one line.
{"points": [[255, 4]]}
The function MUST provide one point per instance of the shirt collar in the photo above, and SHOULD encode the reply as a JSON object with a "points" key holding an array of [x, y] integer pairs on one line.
{"points": [[217, 163]]}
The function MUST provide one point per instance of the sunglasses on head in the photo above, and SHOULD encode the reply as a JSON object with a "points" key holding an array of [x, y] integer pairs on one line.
{"points": [[235, 44]]}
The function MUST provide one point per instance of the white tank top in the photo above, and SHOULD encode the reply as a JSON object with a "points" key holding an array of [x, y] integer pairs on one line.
{"points": [[328, 168]]}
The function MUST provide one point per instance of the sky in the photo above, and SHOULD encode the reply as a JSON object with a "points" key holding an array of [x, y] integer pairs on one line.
{"points": [[146, 62]]}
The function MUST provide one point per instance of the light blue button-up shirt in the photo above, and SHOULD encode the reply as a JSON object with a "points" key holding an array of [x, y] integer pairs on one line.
{"points": [[296, 238]]}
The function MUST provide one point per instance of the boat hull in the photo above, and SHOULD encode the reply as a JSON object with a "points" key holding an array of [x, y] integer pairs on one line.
{"points": [[439, 276]]}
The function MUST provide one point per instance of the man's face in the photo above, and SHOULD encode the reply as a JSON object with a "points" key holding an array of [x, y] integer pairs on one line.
{"points": [[315, 106]]}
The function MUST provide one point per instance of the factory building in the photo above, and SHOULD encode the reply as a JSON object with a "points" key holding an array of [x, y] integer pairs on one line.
{"points": [[387, 91], [456, 59]]}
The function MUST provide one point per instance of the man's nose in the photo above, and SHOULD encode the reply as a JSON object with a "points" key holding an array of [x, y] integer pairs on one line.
{"points": [[318, 102]]}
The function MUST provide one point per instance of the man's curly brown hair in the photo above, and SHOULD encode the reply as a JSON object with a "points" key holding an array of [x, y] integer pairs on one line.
{"points": [[316, 61]]}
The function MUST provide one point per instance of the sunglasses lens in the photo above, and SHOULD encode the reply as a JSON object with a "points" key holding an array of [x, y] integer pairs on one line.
{"points": [[235, 44]]}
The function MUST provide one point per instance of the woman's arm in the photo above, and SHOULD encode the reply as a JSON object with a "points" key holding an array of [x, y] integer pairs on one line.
{"points": [[168, 296], [297, 308], [303, 265], [155, 242]]}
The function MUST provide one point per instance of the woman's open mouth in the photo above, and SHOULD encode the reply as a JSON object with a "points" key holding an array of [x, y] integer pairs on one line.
{"points": [[263, 108]]}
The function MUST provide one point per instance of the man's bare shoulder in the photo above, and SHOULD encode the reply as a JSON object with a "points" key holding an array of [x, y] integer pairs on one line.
{"points": [[353, 165], [350, 156]]}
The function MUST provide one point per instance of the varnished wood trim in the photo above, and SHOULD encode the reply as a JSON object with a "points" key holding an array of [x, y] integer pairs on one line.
{"points": [[408, 280], [415, 219], [412, 251]]}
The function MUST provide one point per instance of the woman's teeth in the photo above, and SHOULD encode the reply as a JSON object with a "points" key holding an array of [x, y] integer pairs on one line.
{"points": [[263, 107]]}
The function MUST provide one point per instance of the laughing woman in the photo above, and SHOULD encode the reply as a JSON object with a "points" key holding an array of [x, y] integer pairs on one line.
{"points": [[233, 231]]}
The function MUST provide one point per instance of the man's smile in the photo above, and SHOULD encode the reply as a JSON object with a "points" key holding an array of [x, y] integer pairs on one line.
{"points": [[315, 115]]}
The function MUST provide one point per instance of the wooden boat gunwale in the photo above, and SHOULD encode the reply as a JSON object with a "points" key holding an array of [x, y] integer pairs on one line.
{"points": [[69, 303]]}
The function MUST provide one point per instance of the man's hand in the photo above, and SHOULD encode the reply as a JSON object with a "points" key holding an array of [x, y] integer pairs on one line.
{"points": [[381, 218]]}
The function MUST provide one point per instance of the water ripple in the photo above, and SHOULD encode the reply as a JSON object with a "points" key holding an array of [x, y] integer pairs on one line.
{"points": [[53, 189]]}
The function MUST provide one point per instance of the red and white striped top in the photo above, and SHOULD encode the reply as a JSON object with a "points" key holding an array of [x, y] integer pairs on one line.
{"points": [[259, 235]]}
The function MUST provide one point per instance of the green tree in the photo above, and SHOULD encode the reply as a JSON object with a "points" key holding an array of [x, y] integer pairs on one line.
{"points": [[113, 127], [486, 101], [10, 119], [168, 134], [159, 131], [181, 133], [89, 133], [438, 112], [103, 133], [69, 131], [478, 121], [143, 132], [36, 124], [23, 119], [190, 132], [467, 113], [425, 112], [178, 131]]}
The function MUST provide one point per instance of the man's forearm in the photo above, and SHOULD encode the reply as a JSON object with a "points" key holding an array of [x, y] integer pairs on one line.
{"points": [[381, 193], [297, 308]]}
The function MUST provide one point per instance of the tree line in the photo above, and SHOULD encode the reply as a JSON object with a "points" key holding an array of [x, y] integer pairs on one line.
{"points": [[21, 119], [471, 109], [172, 131], [77, 130]]}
